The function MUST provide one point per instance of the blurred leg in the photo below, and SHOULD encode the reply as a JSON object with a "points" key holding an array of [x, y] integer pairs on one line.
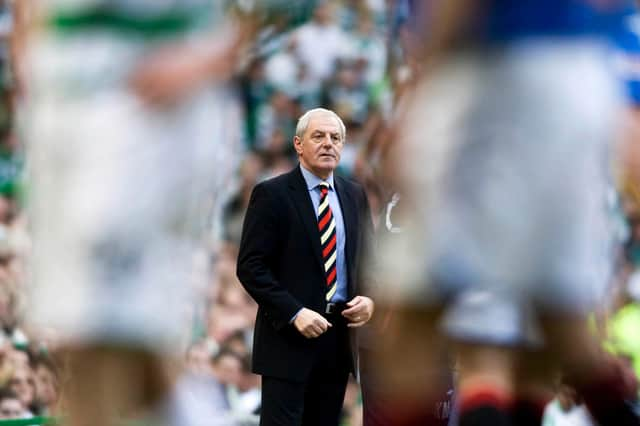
{"points": [[485, 385], [408, 374], [108, 385], [599, 378], [535, 373]]}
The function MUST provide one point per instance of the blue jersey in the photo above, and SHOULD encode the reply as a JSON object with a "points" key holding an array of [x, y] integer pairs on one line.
{"points": [[498, 21], [508, 20], [627, 57]]}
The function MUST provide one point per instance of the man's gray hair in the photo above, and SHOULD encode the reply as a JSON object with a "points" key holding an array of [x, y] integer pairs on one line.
{"points": [[303, 122]]}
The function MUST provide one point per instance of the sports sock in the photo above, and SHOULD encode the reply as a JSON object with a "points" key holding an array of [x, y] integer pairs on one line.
{"points": [[484, 406], [528, 411]]}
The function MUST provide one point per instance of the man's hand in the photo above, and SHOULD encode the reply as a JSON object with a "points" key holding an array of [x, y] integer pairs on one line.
{"points": [[310, 323], [359, 312]]}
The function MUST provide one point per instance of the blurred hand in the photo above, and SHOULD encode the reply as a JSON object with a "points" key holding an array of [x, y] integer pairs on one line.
{"points": [[359, 312], [174, 71], [627, 376], [310, 323]]}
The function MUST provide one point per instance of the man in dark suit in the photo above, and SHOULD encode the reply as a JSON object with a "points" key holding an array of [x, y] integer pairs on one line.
{"points": [[301, 259]]}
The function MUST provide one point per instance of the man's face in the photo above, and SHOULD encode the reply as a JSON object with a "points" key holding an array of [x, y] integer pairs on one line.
{"points": [[11, 408], [320, 147], [198, 360], [323, 14], [45, 383], [19, 359], [228, 370], [23, 385]]}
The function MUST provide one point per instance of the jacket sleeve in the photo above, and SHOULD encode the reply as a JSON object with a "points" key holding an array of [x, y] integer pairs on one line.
{"points": [[258, 253], [368, 257]]}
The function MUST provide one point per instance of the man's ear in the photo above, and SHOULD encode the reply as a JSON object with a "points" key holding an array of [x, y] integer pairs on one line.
{"points": [[297, 144]]}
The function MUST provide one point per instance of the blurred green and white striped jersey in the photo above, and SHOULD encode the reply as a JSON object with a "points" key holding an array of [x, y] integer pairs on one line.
{"points": [[143, 16], [133, 8], [166, 15]]}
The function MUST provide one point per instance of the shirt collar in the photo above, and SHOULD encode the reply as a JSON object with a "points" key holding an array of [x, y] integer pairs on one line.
{"points": [[313, 181]]}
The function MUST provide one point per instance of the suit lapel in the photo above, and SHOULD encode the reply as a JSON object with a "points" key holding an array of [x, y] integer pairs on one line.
{"points": [[304, 206]]}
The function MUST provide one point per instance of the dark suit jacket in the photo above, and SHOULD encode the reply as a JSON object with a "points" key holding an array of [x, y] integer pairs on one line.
{"points": [[280, 265]]}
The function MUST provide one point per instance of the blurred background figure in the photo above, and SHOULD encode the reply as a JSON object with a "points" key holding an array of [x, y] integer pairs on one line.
{"points": [[10, 405], [566, 409], [505, 173], [47, 384]]}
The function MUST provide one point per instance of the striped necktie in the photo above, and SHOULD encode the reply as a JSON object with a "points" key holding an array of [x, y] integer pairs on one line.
{"points": [[327, 227]]}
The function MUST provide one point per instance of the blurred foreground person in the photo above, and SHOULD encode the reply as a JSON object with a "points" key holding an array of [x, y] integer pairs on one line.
{"points": [[503, 162], [381, 404], [130, 127]]}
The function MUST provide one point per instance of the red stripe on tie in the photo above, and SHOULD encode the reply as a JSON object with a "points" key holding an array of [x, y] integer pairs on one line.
{"points": [[325, 219], [328, 248], [331, 276]]}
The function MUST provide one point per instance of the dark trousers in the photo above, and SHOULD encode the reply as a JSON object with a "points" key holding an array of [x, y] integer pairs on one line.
{"points": [[318, 400]]}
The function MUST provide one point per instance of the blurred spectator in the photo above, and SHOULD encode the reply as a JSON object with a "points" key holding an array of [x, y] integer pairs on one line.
{"points": [[255, 92], [287, 73], [23, 384], [6, 363], [198, 359], [566, 409], [282, 69], [244, 397], [237, 343], [352, 409], [8, 320], [10, 405], [348, 95], [321, 43], [349, 11], [11, 165], [19, 358], [223, 322], [369, 49], [46, 380], [248, 387], [278, 115], [198, 395], [227, 367]]}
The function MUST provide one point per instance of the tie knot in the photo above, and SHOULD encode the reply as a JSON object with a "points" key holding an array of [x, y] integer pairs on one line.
{"points": [[324, 187]]}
